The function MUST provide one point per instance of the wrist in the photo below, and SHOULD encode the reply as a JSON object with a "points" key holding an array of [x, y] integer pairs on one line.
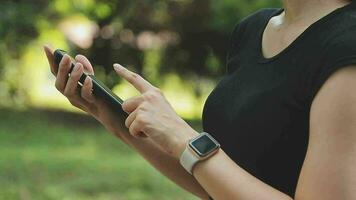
{"points": [[183, 141], [198, 149]]}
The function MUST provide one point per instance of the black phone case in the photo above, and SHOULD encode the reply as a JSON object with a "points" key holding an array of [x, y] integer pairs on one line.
{"points": [[100, 90]]}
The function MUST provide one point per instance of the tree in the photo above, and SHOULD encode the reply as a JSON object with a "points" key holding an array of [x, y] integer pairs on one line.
{"points": [[156, 37]]}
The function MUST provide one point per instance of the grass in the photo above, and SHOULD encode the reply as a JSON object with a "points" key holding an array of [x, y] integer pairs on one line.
{"points": [[55, 155]]}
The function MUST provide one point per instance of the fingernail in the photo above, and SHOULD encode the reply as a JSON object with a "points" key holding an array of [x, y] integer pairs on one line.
{"points": [[118, 66]]}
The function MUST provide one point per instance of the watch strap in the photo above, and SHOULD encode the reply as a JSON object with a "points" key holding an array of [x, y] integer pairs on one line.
{"points": [[188, 159]]}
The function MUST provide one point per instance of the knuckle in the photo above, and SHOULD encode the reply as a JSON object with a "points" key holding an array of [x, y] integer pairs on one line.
{"points": [[134, 75], [150, 95], [141, 108], [140, 118], [146, 96]]}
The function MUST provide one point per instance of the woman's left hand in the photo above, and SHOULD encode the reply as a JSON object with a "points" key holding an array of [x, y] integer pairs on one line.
{"points": [[151, 115]]}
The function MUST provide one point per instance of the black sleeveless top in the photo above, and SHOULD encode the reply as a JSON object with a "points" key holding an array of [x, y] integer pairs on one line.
{"points": [[259, 111]]}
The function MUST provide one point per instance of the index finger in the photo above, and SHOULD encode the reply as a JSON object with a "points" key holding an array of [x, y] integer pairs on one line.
{"points": [[50, 57], [136, 80]]}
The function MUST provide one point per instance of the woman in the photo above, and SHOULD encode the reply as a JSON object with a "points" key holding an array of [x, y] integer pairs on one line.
{"points": [[284, 113]]}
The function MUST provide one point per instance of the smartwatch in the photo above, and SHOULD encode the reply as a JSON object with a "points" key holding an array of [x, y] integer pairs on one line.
{"points": [[197, 149]]}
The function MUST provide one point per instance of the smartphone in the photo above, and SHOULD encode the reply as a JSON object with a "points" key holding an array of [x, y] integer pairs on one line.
{"points": [[99, 89]]}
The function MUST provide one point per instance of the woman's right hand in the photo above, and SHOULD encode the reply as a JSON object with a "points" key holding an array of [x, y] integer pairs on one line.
{"points": [[82, 98]]}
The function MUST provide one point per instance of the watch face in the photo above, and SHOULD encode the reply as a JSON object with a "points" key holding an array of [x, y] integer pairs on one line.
{"points": [[204, 145]]}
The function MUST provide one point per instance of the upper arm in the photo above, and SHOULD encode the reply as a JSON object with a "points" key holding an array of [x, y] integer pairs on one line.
{"points": [[329, 169]]}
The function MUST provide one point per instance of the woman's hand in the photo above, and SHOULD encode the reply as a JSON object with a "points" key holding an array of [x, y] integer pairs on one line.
{"points": [[152, 115], [165, 130], [82, 98]]}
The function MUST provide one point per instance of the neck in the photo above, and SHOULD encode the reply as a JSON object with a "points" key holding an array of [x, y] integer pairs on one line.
{"points": [[296, 10]]}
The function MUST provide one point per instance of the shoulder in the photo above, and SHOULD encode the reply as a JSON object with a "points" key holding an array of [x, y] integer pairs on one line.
{"points": [[258, 16], [340, 46], [337, 78], [337, 90], [341, 27], [345, 36], [250, 24], [338, 53]]}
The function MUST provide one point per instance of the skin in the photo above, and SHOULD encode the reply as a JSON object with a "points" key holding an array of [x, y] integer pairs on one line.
{"points": [[160, 135], [163, 161]]}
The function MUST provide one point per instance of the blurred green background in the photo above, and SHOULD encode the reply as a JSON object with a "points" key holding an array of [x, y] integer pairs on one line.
{"points": [[51, 150]]}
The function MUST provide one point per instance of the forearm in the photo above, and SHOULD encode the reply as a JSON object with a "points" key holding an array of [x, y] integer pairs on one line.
{"points": [[166, 164], [224, 180]]}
